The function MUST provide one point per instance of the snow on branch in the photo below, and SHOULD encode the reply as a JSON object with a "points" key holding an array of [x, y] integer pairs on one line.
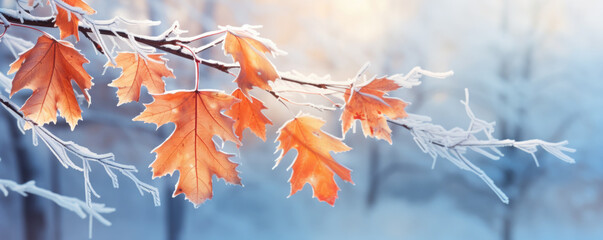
{"points": [[295, 81], [60, 148], [79, 207], [168, 41], [454, 143], [433, 139], [411, 79]]}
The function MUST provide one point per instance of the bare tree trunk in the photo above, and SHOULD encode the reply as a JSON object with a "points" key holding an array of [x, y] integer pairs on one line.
{"points": [[11, 207], [33, 214], [507, 229], [374, 175], [55, 186], [508, 214], [175, 214]]}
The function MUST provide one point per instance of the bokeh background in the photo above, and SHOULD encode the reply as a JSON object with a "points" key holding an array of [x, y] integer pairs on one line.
{"points": [[533, 66]]}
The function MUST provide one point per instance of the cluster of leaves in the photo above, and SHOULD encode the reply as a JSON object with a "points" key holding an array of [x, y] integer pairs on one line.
{"points": [[49, 67], [199, 115]]}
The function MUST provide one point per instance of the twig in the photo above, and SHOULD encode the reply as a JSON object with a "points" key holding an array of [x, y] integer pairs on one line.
{"points": [[79, 207], [453, 144], [162, 42]]}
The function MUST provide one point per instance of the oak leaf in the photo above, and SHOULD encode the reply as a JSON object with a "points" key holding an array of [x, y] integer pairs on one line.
{"points": [[47, 69], [249, 50], [248, 114], [138, 71], [314, 164], [67, 21], [369, 105], [190, 149]]}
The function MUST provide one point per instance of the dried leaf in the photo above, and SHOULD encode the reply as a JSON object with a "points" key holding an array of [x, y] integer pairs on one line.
{"points": [[248, 114], [248, 50], [67, 21], [47, 69], [190, 149], [370, 106], [138, 71], [314, 164]]}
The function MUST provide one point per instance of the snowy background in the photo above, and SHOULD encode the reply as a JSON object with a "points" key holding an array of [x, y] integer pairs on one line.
{"points": [[533, 66]]}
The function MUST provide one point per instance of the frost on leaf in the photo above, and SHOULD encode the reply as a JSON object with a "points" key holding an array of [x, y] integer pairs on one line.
{"points": [[247, 113], [248, 49], [369, 105], [67, 21], [314, 164], [138, 71], [190, 149], [48, 69]]}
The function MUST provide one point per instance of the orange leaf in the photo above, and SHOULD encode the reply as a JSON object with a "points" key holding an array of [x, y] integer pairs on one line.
{"points": [[248, 114], [314, 163], [248, 49], [67, 21], [138, 71], [47, 69], [369, 105], [190, 149]]}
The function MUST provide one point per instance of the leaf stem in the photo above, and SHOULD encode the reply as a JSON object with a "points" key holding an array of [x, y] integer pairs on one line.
{"points": [[196, 60], [23, 26]]}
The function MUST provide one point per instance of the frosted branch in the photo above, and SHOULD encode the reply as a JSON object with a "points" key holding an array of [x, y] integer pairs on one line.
{"points": [[79, 207], [167, 41], [454, 143], [411, 79], [435, 140], [60, 149], [294, 81]]}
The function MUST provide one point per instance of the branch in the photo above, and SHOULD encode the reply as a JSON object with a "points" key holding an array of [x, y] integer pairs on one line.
{"points": [[60, 148], [411, 79], [161, 42], [166, 44], [79, 207], [432, 139], [453, 144]]}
